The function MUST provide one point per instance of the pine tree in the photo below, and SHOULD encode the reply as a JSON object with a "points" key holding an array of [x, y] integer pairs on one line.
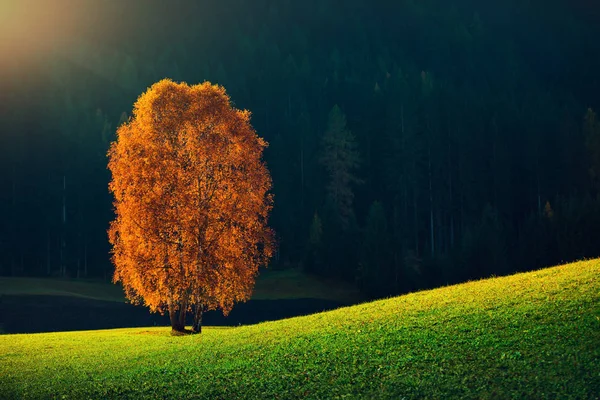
{"points": [[591, 130], [373, 275], [341, 160], [315, 244]]}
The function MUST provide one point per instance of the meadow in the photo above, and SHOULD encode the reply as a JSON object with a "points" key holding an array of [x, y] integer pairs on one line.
{"points": [[530, 335]]}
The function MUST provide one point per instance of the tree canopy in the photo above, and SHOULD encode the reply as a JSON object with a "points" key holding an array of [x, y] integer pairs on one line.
{"points": [[191, 201]]}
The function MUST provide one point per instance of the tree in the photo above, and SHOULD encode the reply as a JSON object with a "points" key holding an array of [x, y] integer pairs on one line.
{"points": [[341, 159], [315, 244], [191, 201], [374, 276], [591, 130]]}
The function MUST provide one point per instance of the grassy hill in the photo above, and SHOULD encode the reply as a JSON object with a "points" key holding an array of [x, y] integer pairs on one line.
{"points": [[532, 335]]}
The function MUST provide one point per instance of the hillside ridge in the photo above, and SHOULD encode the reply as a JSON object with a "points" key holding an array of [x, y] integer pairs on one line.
{"points": [[529, 335]]}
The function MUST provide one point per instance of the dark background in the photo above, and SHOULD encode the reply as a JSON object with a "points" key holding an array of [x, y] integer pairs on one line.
{"points": [[472, 151]]}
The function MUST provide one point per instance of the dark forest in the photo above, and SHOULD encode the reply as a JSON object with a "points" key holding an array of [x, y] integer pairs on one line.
{"points": [[412, 144]]}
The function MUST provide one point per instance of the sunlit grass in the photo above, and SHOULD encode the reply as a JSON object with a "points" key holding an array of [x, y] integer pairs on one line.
{"points": [[534, 335]]}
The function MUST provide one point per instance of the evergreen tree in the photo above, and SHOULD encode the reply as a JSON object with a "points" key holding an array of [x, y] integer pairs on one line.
{"points": [[314, 251], [374, 270], [341, 160], [591, 130]]}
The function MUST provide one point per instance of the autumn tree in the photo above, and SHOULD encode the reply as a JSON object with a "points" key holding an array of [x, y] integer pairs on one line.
{"points": [[191, 201]]}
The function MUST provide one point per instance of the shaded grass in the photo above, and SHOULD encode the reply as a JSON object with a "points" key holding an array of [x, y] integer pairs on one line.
{"points": [[533, 335], [94, 290], [296, 284], [270, 285]]}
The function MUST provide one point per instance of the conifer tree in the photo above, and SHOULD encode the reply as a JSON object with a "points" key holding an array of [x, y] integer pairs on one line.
{"points": [[341, 160]]}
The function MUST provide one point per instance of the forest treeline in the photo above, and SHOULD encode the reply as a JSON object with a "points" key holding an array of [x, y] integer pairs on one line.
{"points": [[412, 143]]}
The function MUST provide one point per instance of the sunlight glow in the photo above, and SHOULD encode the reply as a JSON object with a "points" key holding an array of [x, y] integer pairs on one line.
{"points": [[31, 31]]}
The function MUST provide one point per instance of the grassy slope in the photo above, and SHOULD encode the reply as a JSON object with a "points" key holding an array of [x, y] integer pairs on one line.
{"points": [[271, 284], [528, 335]]}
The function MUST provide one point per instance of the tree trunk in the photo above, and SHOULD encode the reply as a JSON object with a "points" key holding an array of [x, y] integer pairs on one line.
{"points": [[174, 316], [48, 264], [431, 228], [85, 264], [451, 201], [197, 326], [182, 314], [416, 222], [63, 268], [302, 171]]}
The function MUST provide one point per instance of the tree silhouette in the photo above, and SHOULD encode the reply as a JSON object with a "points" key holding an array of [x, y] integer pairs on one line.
{"points": [[341, 159], [591, 130], [191, 201]]}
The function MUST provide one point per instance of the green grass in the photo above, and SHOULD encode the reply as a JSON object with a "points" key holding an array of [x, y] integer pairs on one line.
{"points": [[270, 285], [533, 335]]}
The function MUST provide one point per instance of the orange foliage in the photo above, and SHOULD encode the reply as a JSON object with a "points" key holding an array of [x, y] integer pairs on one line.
{"points": [[191, 200]]}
